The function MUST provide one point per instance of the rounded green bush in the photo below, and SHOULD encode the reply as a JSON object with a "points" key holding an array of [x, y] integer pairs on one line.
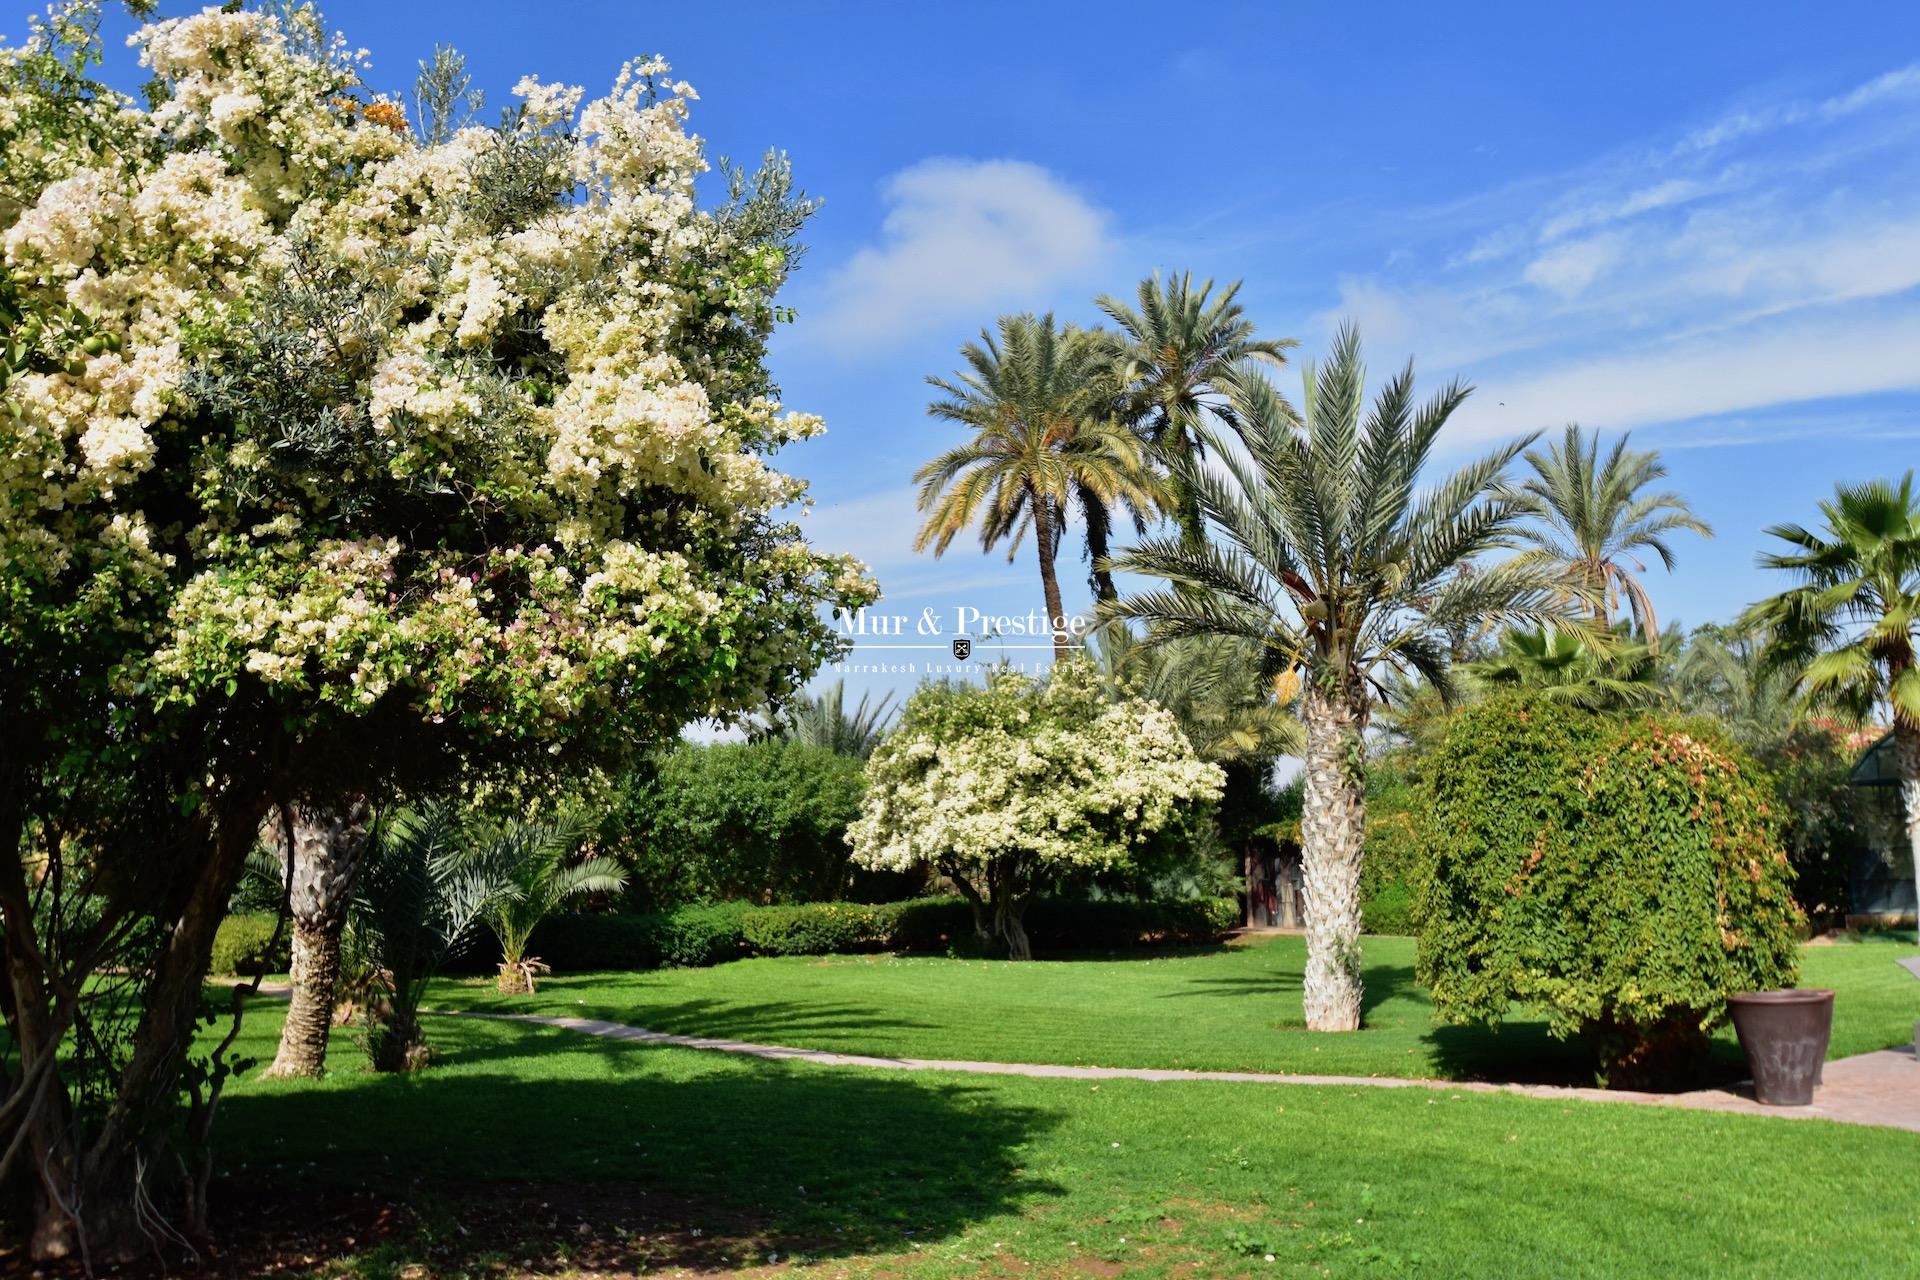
{"points": [[244, 946], [1624, 876]]}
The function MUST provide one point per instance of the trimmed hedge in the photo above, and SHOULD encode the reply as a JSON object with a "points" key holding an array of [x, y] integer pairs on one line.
{"points": [[243, 946], [707, 935]]}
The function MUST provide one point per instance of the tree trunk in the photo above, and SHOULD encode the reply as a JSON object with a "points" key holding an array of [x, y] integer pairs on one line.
{"points": [[1906, 753], [1010, 926], [329, 844], [1045, 534], [109, 1190], [1331, 825], [1099, 534]]}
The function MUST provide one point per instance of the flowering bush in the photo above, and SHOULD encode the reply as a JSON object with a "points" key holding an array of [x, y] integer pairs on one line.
{"points": [[1006, 786], [339, 454]]}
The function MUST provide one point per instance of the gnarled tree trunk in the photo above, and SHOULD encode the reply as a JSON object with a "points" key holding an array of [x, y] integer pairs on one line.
{"points": [[329, 845], [1332, 824]]}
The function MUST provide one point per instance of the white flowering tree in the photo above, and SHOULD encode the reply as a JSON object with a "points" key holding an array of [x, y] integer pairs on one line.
{"points": [[1006, 787], [341, 454]]}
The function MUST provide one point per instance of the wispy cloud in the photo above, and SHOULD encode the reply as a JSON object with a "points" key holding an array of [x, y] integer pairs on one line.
{"points": [[1770, 257], [960, 238]]}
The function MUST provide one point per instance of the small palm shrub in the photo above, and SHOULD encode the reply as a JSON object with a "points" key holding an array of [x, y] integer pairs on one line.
{"points": [[426, 888], [1621, 875], [532, 862]]}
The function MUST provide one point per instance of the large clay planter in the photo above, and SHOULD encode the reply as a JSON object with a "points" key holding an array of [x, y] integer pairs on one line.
{"points": [[1784, 1035]]}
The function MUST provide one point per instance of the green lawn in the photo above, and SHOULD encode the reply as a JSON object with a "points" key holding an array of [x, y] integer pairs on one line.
{"points": [[880, 1173], [1235, 1008]]}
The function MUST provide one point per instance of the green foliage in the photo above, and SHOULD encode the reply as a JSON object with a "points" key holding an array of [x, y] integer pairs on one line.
{"points": [[765, 821], [1566, 667], [823, 720], [244, 946], [1622, 876], [693, 937]]}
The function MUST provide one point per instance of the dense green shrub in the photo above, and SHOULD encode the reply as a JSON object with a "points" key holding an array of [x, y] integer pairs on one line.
{"points": [[1621, 875], [704, 935], [244, 946], [765, 821], [817, 928]]}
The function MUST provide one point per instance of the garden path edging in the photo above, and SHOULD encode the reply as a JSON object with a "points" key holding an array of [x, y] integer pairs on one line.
{"points": [[1877, 1089]]}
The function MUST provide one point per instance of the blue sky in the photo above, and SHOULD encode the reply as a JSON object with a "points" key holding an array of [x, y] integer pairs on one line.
{"points": [[1700, 222]]}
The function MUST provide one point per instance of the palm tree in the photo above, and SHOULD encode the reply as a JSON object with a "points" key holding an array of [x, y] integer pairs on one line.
{"points": [[1717, 671], [1845, 633], [427, 887], [1212, 686], [532, 863], [822, 720], [1032, 397], [1595, 515], [1566, 668], [1175, 346], [1326, 557]]}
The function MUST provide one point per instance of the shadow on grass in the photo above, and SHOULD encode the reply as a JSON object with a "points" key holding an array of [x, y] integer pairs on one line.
{"points": [[846, 1160], [763, 1022], [1526, 1053]]}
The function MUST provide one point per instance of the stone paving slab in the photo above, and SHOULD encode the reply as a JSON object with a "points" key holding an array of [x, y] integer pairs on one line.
{"points": [[1871, 1089]]}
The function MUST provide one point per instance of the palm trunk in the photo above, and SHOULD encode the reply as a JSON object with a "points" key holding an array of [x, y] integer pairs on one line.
{"points": [[1906, 751], [329, 844], [1099, 534], [1331, 825], [1048, 538]]}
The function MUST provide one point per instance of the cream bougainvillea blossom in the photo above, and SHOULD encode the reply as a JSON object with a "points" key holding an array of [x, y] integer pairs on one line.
{"points": [[476, 424]]}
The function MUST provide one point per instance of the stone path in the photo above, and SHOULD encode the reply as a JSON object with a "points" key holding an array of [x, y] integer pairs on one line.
{"points": [[1912, 966], [1872, 1089]]}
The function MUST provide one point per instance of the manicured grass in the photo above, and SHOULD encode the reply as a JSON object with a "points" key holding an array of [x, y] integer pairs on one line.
{"points": [[878, 1173], [1234, 1008]]}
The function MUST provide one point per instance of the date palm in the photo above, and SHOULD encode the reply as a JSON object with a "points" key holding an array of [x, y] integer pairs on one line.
{"points": [[1326, 555], [1594, 516], [1175, 344], [1846, 633], [1033, 397], [823, 720], [535, 863]]}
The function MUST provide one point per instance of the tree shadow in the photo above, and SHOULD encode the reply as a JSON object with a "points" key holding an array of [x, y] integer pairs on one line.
{"points": [[1525, 1052], [848, 1160]]}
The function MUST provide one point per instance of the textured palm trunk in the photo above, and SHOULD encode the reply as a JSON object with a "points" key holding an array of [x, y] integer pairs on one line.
{"points": [[1332, 823], [1045, 534], [329, 844], [1906, 750]]}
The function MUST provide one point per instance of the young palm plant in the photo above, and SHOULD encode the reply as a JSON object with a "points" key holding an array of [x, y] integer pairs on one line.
{"points": [[533, 861], [1595, 515], [1846, 633], [1175, 346], [1034, 399], [1325, 554], [426, 890]]}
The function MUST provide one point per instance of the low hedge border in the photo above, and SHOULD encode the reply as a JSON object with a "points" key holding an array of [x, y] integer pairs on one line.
{"points": [[706, 935]]}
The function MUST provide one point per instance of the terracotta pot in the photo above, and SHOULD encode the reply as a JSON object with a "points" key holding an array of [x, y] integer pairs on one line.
{"points": [[1784, 1035]]}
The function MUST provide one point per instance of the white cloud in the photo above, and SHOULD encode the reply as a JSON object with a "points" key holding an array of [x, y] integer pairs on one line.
{"points": [[878, 528], [1658, 196], [961, 238], [1569, 268], [1813, 358]]}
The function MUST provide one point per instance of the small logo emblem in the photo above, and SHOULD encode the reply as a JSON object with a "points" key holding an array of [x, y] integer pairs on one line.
{"points": [[962, 649]]}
